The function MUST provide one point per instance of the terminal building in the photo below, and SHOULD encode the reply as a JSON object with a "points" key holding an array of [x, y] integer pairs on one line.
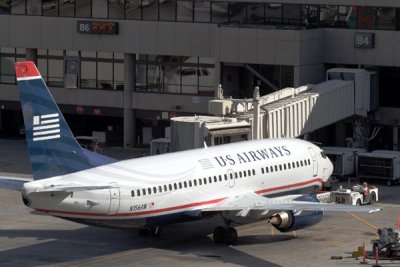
{"points": [[125, 67]]}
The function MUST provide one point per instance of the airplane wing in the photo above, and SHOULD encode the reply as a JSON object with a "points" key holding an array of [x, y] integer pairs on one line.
{"points": [[13, 183], [244, 203]]}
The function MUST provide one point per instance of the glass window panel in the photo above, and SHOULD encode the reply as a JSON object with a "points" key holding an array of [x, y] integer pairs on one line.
{"points": [[154, 78], [18, 7], [310, 15], [172, 79], [206, 80], [7, 72], [185, 11], [104, 55], [88, 74], [237, 12], [168, 10], [88, 54], [255, 13], [34, 7], [67, 8], [56, 72], [189, 76], [7, 50], [386, 18], [141, 77], [328, 15], [5, 7], [291, 14], [99, 9], [119, 56], [42, 66], [21, 51], [347, 17], [104, 75], [50, 8], [72, 53], [133, 10], [118, 76], [56, 52], [116, 9], [42, 52], [366, 17], [273, 13], [84, 8], [202, 11], [150, 9], [219, 12]]}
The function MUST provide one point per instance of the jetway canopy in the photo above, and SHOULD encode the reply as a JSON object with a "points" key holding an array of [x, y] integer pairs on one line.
{"points": [[324, 104]]}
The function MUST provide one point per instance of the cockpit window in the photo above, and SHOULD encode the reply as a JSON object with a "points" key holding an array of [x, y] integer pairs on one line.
{"points": [[323, 154]]}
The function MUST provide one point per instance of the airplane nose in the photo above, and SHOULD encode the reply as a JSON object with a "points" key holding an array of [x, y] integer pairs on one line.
{"points": [[328, 169]]}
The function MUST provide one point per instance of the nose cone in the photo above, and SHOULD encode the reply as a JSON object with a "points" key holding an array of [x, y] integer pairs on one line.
{"points": [[328, 169]]}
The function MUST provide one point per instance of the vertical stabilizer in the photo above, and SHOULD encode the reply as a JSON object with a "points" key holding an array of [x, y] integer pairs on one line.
{"points": [[53, 149]]}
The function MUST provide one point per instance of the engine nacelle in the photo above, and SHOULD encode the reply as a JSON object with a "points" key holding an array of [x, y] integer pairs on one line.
{"points": [[286, 221]]}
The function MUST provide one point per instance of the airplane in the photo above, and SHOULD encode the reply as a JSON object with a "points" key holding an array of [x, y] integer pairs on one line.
{"points": [[242, 182]]}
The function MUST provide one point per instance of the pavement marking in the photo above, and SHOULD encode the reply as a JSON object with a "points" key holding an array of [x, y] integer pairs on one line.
{"points": [[113, 257], [364, 222]]}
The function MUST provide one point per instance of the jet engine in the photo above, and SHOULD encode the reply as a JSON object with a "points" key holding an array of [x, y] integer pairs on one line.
{"points": [[286, 221]]}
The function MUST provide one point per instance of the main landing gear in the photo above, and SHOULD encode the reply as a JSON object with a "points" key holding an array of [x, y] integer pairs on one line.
{"points": [[227, 235], [151, 231]]}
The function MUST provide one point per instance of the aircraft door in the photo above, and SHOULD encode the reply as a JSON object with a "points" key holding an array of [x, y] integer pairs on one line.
{"points": [[314, 161], [114, 198], [231, 178]]}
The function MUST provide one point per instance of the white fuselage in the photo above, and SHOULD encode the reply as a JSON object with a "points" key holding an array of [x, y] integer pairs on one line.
{"points": [[177, 186]]}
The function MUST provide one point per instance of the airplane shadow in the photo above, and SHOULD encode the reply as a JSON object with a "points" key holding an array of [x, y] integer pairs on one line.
{"points": [[65, 247]]}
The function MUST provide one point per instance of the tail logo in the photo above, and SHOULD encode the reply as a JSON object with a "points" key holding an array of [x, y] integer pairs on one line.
{"points": [[46, 127]]}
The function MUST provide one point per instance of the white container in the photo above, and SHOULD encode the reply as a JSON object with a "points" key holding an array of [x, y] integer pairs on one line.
{"points": [[343, 159]]}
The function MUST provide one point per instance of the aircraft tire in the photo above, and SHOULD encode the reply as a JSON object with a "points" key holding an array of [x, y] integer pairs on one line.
{"points": [[230, 236], [219, 235]]}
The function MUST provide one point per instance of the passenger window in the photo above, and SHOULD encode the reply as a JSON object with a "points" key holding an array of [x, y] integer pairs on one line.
{"points": [[209, 180], [160, 189], [180, 185], [301, 163], [190, 183], [226, 177], [284, 166], [266, 169], [175, 186], [154, 190], [309, 162], [200, 182], [249, 172], [149, 191], [288, 165], [138, 192], [276, 168], [254, 172], [240, 174], [262, 170], [185, 184], [271, 168], [294, 166], [297, 164], [215, 179], [133, 193], [280, 167], [220, 178], [195, 182], [244, 173], [236, 175], [170, 187], [165, 188], [205, 180], [231, 176]]}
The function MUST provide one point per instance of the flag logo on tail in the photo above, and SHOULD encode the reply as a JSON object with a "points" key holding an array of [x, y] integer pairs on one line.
{"points": [[46, 127]]}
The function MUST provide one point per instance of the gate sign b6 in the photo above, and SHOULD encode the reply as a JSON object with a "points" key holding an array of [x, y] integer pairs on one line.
{"points": [[363, 40]]}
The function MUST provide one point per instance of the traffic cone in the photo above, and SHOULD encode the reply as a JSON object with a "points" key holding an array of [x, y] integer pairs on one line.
{"points": [[364, 261]]}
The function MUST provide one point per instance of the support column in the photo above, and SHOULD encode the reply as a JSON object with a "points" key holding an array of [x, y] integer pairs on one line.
{"points": [[31, 55], [129, 114]]}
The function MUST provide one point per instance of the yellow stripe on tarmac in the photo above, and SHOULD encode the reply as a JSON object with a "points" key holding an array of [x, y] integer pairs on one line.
{"points": [[364, 222], [113, 257]]}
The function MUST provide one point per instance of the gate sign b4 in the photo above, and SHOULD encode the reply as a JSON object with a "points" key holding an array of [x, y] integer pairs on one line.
{"points": [[363, 40]]}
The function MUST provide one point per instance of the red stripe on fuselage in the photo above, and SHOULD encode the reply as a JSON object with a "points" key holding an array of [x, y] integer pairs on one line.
{"points": [[190, 205]]}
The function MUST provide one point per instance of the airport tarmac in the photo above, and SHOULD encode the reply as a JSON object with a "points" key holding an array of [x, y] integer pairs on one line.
{"points": [[28, 239]]}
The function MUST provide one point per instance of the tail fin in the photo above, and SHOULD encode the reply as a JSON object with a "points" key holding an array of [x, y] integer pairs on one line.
{"points": [[53, 149]]}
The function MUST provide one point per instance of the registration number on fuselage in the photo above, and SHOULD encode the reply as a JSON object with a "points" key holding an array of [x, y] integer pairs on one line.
{"points": [[141, 207]]}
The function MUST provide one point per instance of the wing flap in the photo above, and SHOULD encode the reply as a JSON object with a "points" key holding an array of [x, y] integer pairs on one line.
{"points": [[246, 202]]}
